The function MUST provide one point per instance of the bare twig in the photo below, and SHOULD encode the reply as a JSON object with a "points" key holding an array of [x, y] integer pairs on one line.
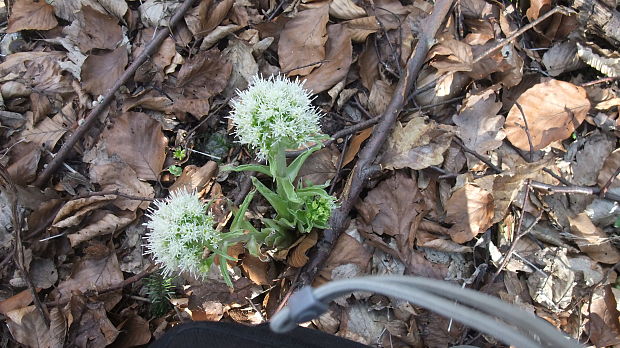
{"points": [[518, 234], [586, 190], [609, 182], [367, 155], [112, 192], [151, 48], [527, 131], [11, 193], [477, 155], [599, 81]]}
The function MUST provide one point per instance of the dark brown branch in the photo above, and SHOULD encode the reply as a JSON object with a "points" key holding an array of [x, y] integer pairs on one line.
{"points": [[367, 155], [72, 139], [586, 190], [484, 160]]}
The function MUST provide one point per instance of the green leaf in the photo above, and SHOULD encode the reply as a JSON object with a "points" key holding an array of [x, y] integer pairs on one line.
{"points": [[175, 170], [279, 204], [248, 168], [617, 223], [293, 169]]}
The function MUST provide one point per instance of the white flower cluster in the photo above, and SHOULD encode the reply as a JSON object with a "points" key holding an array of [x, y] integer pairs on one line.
{"points": [[179, 232], [274, 109]]}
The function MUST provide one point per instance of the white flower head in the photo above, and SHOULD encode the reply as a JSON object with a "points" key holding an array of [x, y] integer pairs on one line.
{"points": [[180, 230], [274, 109]]}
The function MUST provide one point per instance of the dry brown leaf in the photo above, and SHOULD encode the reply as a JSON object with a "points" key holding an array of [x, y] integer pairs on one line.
{"points": [[418, 145], [74, 211], [450, 56], [92, 327], [19, 300], [347, 250], [360, 28], [93, 29], [368, 62], [100, 223], [24, 162], [610, 166], [345, 9], [139, 140], [135, 331], [199, 107], [297, 257], [590, 157], [244, 66], [553, 109], [67, 9], [195, 178], [537, 7], [47, 132], [302, 41], [31, 15], [478, 123], [320, 167], [196, 18], [470, 209], [562, 57], [338, 58], [28, 327], [592, 240], [429, 240], [90, 273], [100, 72], [602, 324], [257, 270], [204, 75], [355, 144], [380, 96]]}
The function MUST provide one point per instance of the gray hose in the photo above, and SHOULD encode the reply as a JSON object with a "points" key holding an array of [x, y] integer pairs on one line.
{"points": [[437, 296]]}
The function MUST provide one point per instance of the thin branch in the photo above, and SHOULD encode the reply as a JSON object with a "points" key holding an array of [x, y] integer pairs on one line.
{"points": [[367, 155], [609, 182], [586, 190], [72, 139], [527, 131], [477, 155]]}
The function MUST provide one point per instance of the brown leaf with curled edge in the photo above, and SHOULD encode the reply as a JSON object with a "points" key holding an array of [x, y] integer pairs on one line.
{"points": [[258, 271], [592, 240], [537, 7], [100, 72], [602, 323], [199, 107], [134, 332], [380, 96], [418, 145], [19, 300], [101, 222], [450, 56], [195, 178], [470, 209], [139, 140], [355, 144], [368, 63], [360, 28], [24, 162], [345, 9], [206, 16], [91, 273], [347, 250], [47, 132], [74, 211], [302, 41], [297, 257], [478, 124], [204, 75], [91, 327], [31, 15], [610, 166], [338, 58], [93, 29], [67, 9], [553, 110], [28, 327]]}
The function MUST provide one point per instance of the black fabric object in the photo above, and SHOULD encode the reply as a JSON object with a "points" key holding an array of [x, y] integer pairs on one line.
{"points": [[224, 335]]}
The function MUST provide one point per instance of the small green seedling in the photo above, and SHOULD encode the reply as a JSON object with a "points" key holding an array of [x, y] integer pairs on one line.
{"points": [[179, 154], [175, 170]]}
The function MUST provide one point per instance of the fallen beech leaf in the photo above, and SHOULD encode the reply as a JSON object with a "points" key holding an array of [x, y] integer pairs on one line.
{"points": [[134, 332], [28, 327], [478, 123], [368, 62], [204, 75], [19, 300], [297, 257], [450, 56], [99, 73], [244, 67], [302, 42], [195, 178], [67, 9], [24, 162], [611, 164], [355, 144], [91, 326], [380, 96], [139, 140], [592, 240], [470, 209], [90, 273], [199, 107], [418, 145], [338, 58], [602, 324], [257, 270], [74, 211], [553, 110], [102, 222], [47, 132], [562, 57], [590, 157], [320, 167], [347, 250], [537, 7], [360, 28], [345, 9], [93, 29], [31, 15]]}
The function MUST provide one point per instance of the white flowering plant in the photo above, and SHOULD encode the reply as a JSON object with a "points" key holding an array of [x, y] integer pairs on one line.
{"points": [[271, 116], [181, 237]]}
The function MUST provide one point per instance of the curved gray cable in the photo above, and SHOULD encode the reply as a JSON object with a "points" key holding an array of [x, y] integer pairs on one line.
{"points": [[487, 304], [448, 308]]}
